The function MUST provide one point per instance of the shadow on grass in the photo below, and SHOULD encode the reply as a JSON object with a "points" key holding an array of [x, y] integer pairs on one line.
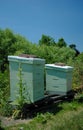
{"points": [[33, 110], [80, 99], [1, 128]]}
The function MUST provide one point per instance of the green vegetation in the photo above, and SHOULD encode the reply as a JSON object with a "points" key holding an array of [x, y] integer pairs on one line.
{"points": [[71, 115]]}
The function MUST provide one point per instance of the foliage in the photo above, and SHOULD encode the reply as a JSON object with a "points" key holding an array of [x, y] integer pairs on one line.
{"points": [[43, 118], [14, 44], [53, 54], [10, 44], [7, 39], [61, 43], [1, 128], [21, 45], [5, 107], [73, 46], [4, 83], [47, 40], [65, 119], [78, 72], [73, 105]]}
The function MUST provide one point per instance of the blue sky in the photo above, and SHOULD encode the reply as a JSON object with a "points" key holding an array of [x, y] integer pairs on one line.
{"points": [[55, 18]]}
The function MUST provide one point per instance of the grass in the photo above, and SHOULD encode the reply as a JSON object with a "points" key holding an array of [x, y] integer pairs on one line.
{"points": [[69, 117]]}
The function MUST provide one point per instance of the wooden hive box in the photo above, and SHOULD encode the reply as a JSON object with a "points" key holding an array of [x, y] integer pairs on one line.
{"points": [[58, 79], [32, 77]]}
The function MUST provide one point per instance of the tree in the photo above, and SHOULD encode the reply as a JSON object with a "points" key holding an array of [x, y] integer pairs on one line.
{"points": [[78, 72], [7, 39], [47, 40], [61, 43], [11, 44], [73, 46]]}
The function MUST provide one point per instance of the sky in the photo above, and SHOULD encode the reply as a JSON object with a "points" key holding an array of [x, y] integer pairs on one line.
{"points": [[55, 18]]}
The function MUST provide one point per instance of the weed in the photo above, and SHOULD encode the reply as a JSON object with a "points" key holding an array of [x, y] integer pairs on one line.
{"points": [[21, 97], [43, 118], [70, 105]]}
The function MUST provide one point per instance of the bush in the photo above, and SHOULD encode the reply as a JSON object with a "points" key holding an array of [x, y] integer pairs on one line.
{"points": [[4, 90], [78, 72]]}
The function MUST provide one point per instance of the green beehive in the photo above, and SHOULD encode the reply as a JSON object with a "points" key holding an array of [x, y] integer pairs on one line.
{"points": [[58, 79], [32, 72]]}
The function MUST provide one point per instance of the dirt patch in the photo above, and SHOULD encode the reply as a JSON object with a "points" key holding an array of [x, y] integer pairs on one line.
{"points": [[5, 121]]}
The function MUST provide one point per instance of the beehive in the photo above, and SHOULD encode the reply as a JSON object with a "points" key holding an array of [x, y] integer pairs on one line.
{"points": [[58, 79], [32, 77]]}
